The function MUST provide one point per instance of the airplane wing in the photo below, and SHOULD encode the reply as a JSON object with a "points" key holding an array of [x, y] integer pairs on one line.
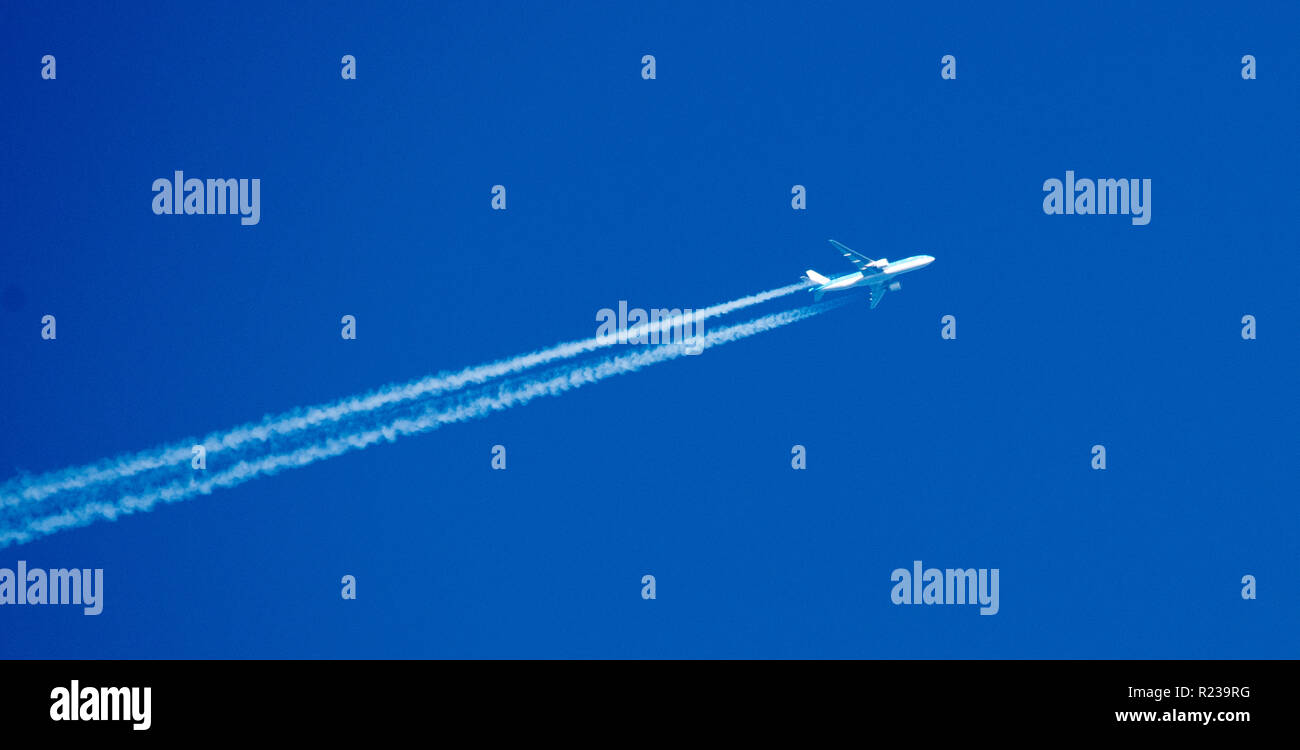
{"points": [[876, 293], [859, 261]]}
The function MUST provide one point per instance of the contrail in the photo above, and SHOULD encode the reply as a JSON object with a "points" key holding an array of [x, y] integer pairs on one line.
{"points": [[35, 488], [414, 419]]}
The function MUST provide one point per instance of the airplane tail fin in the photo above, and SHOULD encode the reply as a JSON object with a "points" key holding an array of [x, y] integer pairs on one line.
{"points": [[816, 278]]}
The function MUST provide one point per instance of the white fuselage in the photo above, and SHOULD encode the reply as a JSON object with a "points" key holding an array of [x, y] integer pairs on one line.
{"points": [[888, 271]]}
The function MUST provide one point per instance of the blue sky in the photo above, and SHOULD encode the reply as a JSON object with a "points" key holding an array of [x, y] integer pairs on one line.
{"points": [[673, 192]]}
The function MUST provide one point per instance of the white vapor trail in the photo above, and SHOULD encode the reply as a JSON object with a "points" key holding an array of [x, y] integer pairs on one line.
{"points": [[28, 489], [413, 419]]}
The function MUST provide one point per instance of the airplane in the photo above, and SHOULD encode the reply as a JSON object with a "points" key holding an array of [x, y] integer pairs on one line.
{"points": [[876, 275]]}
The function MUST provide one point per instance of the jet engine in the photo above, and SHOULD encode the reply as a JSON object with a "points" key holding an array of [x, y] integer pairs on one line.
{"points": [[894, 287]]}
